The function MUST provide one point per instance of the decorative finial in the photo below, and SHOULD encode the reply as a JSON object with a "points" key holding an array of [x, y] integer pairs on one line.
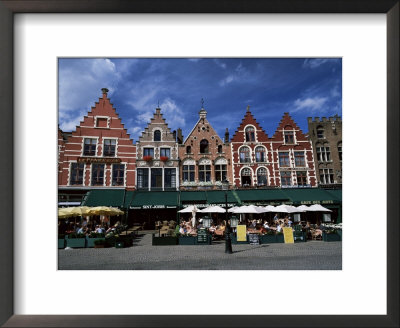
{"points": [[158, 104], [202, 103], [248, 108], [104, 90]]}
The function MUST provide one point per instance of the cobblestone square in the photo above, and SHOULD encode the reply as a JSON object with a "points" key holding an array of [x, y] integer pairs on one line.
{"points": [[311, 255]]}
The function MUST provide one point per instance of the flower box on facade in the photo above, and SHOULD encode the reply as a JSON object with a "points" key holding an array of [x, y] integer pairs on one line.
{"points": [[164, 158], [148, 158], [331, 236], [75, 241], [161, 241], [61, 241]]}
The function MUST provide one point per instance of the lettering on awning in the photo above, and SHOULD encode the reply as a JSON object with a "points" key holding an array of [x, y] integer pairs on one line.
{"points": [[98, 160]]}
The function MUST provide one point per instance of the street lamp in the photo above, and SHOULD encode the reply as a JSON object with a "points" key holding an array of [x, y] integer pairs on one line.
{"points": [[228, 241], [206, 222]]}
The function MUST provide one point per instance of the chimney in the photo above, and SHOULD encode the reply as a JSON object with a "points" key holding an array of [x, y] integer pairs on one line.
{"points": [[226, 135], [104, 91], [174, 134], [179, 138]]}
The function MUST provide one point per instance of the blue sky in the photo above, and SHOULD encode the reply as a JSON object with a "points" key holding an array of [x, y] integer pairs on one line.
{"points": [[302, 87]]}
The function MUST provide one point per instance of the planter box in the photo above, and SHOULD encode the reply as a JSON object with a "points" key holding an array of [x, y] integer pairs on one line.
{"points": [[187, 240], [61, 243], [90, 241], [279, 238], [267, 239], [76, 242], [161, 241], [234, 239], [331, 237]]}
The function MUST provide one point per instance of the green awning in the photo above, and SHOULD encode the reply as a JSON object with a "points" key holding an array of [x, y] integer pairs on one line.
{"points": [[154, 200], [217, 197], [104, 197], [309, 196], [193, 197], [262, 196]]}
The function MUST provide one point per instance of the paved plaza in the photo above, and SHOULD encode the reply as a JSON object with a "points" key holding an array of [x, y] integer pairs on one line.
{"points": [[312, 255]]}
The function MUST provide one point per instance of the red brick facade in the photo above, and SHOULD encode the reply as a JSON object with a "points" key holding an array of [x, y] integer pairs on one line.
{"points": [[99, 153], [205, 158], [285, 160]]}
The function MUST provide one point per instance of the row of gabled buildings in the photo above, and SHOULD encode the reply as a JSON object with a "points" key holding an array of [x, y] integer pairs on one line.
{"points": [[100, 154]]}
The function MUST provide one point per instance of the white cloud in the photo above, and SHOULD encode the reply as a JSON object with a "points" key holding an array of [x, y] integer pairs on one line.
{"points": [[335, 92], [80, 83], [69, 122], [220, 63], [194, 59], [311, 104], [227, 80], [316, 62], [239, 74], [173, 114]]}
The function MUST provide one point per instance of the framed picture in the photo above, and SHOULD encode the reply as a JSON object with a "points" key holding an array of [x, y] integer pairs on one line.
{"points": [[13, 170]]}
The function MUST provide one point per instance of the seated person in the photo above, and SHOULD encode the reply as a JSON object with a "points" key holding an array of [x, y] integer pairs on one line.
{"points": [[279, 227], [99, 229]]}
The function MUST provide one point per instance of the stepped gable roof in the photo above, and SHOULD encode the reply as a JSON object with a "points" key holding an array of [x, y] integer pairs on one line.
{"points": [[156, 119], [285, 121], [103, 107], [246, 120]]}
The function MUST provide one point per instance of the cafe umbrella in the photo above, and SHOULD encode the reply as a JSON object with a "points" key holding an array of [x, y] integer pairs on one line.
{"points": [[318, 208], [213, 209], [191, 209]]}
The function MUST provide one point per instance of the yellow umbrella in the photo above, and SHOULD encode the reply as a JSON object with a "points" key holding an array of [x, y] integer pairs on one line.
{"points": [[101, 210], [117, 211]]}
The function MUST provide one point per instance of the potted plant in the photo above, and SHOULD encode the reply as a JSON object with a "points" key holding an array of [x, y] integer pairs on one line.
{"points": [[148, 158], [76, 240], [164, 158], [100, 243], [93, 237], [61, 241]]}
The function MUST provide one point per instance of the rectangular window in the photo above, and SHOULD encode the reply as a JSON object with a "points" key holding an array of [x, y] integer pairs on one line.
{"points": [[101, 122], [299, 159], [148, 152], [286, 178], [156, 179], [97, 174], [326, 176], [340, 152], [109, 147], [165, 152], [76, 175], [118, 171], [205, 173], [89, 147], [169, 178], [284, 159], [323, 154], [289, 137], [143, 178], [220, 172], [188, 173], [301, 178]]}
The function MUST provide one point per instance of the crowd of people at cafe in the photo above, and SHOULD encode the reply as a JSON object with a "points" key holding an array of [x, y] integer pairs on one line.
{"points": [[86, 227], [260, 226]]}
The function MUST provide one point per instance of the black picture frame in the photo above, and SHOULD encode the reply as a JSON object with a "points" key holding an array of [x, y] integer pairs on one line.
{"points": [[10, 7]]}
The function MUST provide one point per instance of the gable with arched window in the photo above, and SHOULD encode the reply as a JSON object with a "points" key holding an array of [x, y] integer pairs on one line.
{"points": [[244, 154], [250, 134]]}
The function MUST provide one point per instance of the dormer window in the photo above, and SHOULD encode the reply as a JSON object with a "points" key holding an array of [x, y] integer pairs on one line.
{"points": [[157, 135], [250, 134]]}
